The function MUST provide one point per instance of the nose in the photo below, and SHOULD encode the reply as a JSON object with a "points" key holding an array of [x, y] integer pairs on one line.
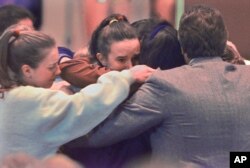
{"points": [[129, 64], [58, 70]]}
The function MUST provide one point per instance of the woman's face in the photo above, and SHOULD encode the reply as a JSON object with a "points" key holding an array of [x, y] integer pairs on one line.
{"points": [[46, 72], [121, 54]]}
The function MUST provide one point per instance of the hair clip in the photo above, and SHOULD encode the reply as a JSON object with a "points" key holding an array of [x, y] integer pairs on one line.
{"points": [[157, 29], [120, 17], [112, 21], [16, 33]]}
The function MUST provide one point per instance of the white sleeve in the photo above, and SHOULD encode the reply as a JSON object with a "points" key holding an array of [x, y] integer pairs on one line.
{"points": [[55, 118]]}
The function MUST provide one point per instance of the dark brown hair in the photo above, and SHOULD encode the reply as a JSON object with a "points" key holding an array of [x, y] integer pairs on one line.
{"points": [[202, 32], [112, 29]]}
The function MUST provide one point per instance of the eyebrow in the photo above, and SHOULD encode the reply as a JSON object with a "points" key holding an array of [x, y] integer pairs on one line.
{"points": [[52, 64], [122, 56]]}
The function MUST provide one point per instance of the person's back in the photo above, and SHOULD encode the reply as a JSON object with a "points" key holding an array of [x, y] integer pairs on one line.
{"points": [[196, 114], [205, 112]]}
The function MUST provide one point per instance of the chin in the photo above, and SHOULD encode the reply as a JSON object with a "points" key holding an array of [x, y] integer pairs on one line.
{"points": [[48, 85]]}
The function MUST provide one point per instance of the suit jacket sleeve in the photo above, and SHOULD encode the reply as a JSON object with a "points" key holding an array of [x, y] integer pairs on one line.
{"points": [[139, 114], [80, 73]]}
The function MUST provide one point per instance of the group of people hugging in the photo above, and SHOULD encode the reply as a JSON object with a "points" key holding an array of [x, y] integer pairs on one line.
{"points": [[141, 94]]}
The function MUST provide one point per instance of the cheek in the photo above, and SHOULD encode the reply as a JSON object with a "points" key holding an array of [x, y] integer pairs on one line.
{"points": [[41, 81], [119, 66], [51, 75], [47, 83], [116, 65], [47, 79]]}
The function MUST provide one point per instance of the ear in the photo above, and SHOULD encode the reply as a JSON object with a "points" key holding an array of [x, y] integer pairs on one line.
{"points": [[101, 59], [26, 71]]}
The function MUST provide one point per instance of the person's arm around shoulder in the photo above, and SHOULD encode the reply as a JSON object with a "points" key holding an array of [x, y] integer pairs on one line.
{"points": [[72, 116], [80, 72], [142, 112]]}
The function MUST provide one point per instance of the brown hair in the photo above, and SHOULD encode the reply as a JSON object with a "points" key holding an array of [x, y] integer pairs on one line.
{"points": [[20, 45]]}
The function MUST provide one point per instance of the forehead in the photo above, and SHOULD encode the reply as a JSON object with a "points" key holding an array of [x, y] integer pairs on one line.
{"points": [[51, 55], [125, 47]]}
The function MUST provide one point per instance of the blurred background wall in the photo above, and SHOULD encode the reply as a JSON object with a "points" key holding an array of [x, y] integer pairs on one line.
{"points": [[66, 21], [63, 19]]}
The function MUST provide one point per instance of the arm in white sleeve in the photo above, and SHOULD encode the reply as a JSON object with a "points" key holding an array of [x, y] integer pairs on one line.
{"points": [[54, 118]]}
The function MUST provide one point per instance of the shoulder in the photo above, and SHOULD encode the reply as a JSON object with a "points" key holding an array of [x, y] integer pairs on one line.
{"points": [[32, 94], [170, 75]]}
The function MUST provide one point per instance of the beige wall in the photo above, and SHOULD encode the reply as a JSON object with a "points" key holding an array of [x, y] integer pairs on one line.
{"points": [[63, 20]]}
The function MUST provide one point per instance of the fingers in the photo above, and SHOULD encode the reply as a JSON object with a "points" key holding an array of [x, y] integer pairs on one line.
{"points": [[141, 72]]}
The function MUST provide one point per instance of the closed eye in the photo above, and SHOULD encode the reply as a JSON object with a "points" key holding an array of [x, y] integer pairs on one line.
{"points": [[121, 59], [52, 67]]}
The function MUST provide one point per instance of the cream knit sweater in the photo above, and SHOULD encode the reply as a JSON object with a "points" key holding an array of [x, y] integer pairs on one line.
{"points": [[37, 121]]}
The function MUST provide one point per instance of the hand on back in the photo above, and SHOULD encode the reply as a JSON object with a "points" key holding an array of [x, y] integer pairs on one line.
{"points": [[141, 72]]}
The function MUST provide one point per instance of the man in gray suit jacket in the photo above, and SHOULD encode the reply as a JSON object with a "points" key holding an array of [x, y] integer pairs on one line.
{"points": [[195, 114]]}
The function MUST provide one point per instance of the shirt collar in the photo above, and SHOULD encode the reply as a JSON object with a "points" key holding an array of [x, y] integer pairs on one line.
{"points": [[204, 59]]}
